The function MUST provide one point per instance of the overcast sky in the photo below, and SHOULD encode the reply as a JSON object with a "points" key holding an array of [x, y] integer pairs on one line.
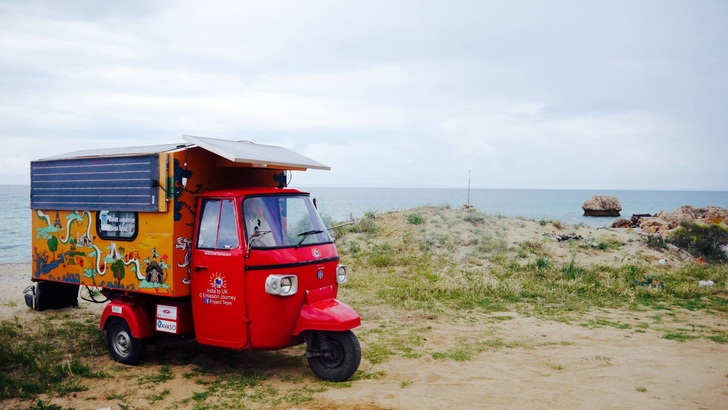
{"points": [[524, 94]]}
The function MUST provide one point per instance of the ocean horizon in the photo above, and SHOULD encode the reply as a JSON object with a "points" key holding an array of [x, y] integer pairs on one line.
{"points": [[548, 204], [342, 204]]}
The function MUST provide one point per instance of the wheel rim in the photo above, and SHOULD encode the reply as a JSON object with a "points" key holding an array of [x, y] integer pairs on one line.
{"points": [[122, 341], [334, 357]]}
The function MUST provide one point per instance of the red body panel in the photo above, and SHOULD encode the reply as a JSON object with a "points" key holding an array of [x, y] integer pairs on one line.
{"points": [[218, 301], [218, 293], [140, 322], [273, 321], [229, 302], [323, 312]]}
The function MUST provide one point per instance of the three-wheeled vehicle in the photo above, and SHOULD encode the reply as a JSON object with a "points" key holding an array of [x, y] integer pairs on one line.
{"points": [[198, 239]]}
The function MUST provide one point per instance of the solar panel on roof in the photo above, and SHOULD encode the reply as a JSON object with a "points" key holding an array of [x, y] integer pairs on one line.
{"points": [[249, 152]]}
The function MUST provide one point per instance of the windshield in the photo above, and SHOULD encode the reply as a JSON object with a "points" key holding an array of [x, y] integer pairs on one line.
{"points": [[282, 220]]}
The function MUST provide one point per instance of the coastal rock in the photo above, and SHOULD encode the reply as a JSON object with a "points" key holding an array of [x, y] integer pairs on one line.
{"points": [[665, 222], [602, 205], [622, 223], [469, 208], [654, 225], [633, 222], [635, 219], [686, 213]]}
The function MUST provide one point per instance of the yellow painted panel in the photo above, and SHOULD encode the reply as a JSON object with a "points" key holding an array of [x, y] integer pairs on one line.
{"points": [[67, 247]]}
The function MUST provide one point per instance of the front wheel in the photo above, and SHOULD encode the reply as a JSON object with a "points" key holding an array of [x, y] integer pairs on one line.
{"points": [[334, 356], [123, 347]]}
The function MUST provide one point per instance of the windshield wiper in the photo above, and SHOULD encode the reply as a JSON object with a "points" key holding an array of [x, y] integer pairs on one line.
{"points": [[255, 236], [305, 235]]}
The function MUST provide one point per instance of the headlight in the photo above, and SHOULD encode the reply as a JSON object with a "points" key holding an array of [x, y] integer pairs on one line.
{"points": [[286, 285], [342, 274], [281, 285]]}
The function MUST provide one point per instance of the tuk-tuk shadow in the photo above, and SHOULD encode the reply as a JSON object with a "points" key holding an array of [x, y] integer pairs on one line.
{"points": [[214, 360]]}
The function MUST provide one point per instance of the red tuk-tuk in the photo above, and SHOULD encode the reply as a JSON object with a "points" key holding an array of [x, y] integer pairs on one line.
{"points": [[241, 263]]}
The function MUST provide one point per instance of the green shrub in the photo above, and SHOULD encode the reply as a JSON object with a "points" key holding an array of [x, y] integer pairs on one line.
{"points": [[702, 241], [656, 241], [609, 244], [382, 255], [475, 218], [542, 264], [572, 270], [427, 244], [415, 219], [366, 224], [354, 248], [40, 405], [530, 246]]}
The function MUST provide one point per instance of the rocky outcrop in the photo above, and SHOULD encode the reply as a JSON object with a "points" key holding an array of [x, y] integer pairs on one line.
{"points": [[707, 215], [653, 225], [622, 223], [602, 205], [633, 222], [664, 221]]}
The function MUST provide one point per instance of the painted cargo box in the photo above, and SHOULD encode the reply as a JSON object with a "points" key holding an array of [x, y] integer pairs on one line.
{"points": [[122, 218]]}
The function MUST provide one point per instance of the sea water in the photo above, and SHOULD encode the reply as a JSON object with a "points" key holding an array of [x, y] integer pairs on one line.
{"points": [[343, 204], [538, 204], [15, 223]]}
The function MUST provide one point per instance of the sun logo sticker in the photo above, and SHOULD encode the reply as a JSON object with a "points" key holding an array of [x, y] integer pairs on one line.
{"points": [[316, 253], [217, 281]]}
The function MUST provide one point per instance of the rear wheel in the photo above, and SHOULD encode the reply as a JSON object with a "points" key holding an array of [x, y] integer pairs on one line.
{"points": [[334, 356], [123, 347]]}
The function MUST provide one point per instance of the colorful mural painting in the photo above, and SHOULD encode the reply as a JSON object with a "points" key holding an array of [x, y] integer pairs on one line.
{"points": [[76, 254], [142, 247], [123, 250]]}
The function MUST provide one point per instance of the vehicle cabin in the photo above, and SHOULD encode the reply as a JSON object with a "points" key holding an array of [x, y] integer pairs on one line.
{"points": [[123, 218]]}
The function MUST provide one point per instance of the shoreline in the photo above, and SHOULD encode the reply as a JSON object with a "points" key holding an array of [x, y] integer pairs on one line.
{"points": [[339, 205]]}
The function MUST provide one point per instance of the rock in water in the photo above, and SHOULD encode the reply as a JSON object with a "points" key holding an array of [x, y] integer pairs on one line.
{"points": [[601, 205]]}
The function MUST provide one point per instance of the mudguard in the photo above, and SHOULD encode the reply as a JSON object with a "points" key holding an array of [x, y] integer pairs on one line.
{"points": [[138, 319], [321, 311]]}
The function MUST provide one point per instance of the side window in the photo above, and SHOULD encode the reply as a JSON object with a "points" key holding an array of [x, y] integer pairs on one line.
{"points": [[218, 229], [227, 236], [117, 225]]}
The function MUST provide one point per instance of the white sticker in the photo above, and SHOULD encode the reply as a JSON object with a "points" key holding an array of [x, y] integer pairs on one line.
{"points": [[166, 312], [166, 326], [116, 309]]}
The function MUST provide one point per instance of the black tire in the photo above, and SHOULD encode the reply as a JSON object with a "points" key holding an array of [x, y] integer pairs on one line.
{"points": [[123, 347], [340, 361]]}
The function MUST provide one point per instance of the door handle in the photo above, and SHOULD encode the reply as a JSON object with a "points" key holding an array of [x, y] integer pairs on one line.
{"points": [[200, 267]]}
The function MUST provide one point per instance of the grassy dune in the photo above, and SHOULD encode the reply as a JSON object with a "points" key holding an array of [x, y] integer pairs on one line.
{"points": [[441, 261], [432, 282]]}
